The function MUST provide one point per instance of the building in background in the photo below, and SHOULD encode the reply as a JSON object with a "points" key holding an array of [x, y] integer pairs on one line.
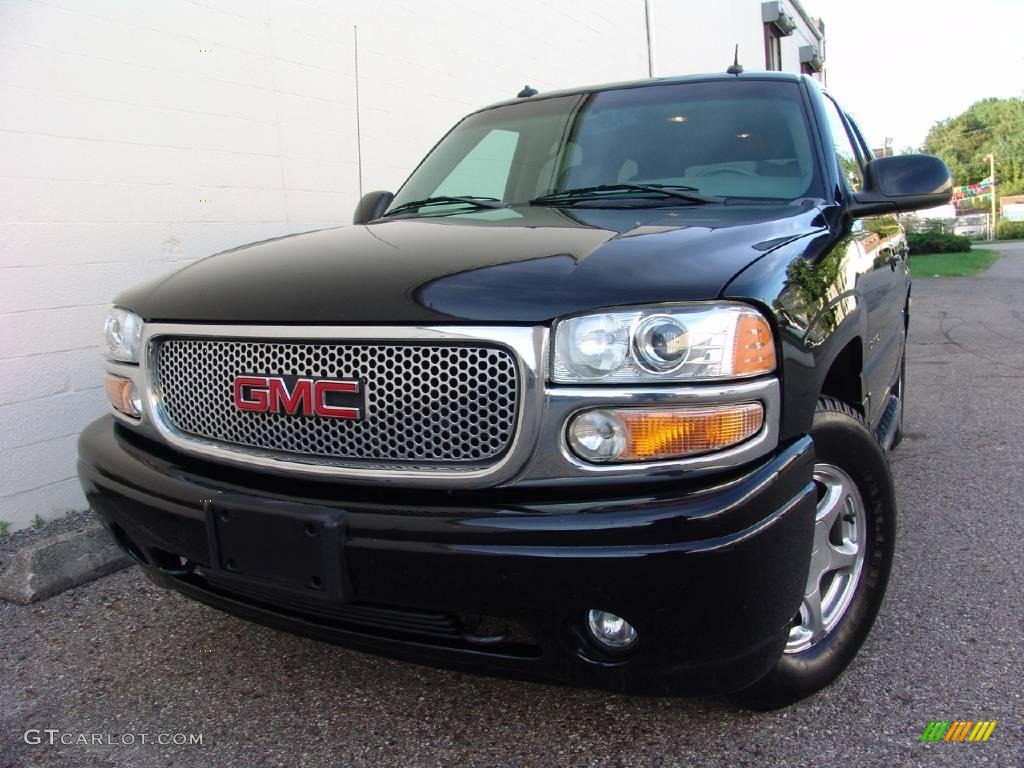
{"points": [[697, 36], [1011, 207], [885, 150], [138, 137]]}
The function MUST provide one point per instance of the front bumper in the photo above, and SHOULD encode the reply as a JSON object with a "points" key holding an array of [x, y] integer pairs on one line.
{"points": [[495, 582]]}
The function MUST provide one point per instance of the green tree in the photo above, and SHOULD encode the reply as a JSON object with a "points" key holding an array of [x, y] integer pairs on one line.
{"points": [[990, 125]]}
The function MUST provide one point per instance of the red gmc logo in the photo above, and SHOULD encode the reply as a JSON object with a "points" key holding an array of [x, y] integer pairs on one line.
{"points": [[330, 398]]}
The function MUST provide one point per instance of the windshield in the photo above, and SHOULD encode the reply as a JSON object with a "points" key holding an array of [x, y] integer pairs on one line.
{"points": [[720, 138]]}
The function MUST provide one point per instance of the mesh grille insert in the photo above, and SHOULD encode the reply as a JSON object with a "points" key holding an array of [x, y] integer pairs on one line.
{"points": [[438, 404]]}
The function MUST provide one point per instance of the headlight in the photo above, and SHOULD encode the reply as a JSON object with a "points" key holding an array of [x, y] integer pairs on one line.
{"points": [[663, 343], [122, 335]]}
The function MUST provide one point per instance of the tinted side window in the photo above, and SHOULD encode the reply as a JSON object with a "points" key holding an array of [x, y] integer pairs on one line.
{"points": [[867, 154], [846, 154]]}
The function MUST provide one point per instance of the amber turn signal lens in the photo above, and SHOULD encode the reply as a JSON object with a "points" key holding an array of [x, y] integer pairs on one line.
{"points": [[665, 433], [121, 394], [754, 351], [651, 434]]}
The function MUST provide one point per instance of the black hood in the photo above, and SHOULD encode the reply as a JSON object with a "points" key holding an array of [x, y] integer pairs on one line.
{"points": [[522, 265]]}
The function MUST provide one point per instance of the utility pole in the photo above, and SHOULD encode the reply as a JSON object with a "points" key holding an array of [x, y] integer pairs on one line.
{"points": [[359, 130], [992, 178], [649, 26]]}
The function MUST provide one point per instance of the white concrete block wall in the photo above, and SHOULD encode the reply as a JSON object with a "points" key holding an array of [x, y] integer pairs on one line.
{"points": [[117, 119]]}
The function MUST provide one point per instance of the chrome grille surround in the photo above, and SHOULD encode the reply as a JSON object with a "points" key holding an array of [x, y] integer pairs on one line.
{"points": [[399, 453], [538, 455], [425, 404]]}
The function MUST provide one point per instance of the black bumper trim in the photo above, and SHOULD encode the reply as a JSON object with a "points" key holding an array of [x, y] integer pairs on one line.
{"points": [[710, 577]]}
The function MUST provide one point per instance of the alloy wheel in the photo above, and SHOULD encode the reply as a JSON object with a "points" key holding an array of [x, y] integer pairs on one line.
{"points": [[840, 538]]}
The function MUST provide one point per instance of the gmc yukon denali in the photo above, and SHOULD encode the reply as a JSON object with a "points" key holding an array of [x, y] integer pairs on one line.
{"points": [[603, 395]]}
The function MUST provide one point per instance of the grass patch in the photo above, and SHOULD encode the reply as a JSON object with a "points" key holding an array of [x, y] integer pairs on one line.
{"points": [[962, 264]]}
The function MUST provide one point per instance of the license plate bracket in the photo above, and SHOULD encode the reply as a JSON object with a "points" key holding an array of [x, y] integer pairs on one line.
{"points": [[281, 546]]}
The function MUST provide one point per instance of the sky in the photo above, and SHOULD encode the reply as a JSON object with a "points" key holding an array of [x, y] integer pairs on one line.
{"points": [[899, 66]]}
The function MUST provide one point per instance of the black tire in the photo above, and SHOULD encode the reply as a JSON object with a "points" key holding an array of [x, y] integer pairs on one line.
{"points": [[841, 439]]}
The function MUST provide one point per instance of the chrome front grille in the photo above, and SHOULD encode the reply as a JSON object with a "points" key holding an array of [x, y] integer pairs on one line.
{"points": [[449, 405]]}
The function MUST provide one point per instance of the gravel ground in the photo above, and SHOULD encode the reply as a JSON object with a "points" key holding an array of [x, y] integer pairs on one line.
{"points": [[11, 543], [119, 656]]}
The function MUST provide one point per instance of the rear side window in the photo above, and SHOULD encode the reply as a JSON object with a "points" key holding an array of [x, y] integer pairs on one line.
{"points": [[846, 153]]}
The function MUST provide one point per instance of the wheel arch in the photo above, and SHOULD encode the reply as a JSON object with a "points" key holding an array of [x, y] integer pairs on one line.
{"points": [[844, 378]]}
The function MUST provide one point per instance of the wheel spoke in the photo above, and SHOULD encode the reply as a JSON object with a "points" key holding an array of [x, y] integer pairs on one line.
{"points": [[831, 505], [812, 617], [842, 558]]}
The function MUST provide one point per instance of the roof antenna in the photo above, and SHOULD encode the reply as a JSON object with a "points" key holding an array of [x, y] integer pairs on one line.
{"points": [[527, 92], [735, 68]]}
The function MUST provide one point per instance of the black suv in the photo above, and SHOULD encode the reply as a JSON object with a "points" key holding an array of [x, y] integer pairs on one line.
{"points": [[603, 395]]}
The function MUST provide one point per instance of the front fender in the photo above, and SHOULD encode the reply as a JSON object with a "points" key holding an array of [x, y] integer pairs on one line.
{"points": [[811, 288]]}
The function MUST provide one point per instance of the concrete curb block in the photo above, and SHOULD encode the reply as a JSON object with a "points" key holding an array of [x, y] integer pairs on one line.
{"points": [[53, 564]]}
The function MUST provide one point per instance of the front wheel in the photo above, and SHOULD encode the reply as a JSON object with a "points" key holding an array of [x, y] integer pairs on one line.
{"points": [[854, 534]]}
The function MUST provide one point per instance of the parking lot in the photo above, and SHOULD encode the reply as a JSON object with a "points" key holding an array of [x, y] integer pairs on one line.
{"points": [[119, 656]]}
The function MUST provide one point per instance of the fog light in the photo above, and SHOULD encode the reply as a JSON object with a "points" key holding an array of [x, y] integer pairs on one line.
{"points": [[610, 631], [122, 395]]}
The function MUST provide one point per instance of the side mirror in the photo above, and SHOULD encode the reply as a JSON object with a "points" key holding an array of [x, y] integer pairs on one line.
{"points": [[371, 206], [902, 183]]}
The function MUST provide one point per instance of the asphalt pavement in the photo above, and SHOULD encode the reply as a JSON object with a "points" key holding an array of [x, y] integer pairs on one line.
{"points": [[118, 658]]}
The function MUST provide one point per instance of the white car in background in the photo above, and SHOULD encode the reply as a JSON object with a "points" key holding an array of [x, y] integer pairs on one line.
{"points": [[975, 227]]}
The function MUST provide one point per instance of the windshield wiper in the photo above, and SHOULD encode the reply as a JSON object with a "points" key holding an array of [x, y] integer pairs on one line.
{"points": [[679, 191], [476, 202]]}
